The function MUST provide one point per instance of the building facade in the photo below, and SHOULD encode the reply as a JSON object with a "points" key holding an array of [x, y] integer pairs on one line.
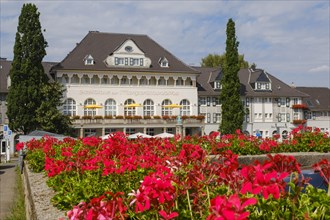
{"points": [[127, 83], [271, 106]]}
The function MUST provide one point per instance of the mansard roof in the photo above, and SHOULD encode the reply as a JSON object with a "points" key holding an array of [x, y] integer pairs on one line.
{"points": [[5, 66], [246, 76], [319, 98], [100, 45]]}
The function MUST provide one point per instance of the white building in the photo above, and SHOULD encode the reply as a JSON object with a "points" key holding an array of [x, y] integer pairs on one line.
{"points": [[128, 83]]}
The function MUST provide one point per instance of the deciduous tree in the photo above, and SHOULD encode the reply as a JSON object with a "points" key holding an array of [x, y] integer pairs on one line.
{"points": [[217, 60]]}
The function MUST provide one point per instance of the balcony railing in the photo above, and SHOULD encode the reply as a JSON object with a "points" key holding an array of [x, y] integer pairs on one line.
{"points": [[136, 119]]}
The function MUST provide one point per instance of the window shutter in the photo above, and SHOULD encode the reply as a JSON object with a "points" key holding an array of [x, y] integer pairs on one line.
{"points": [[287, 102]]}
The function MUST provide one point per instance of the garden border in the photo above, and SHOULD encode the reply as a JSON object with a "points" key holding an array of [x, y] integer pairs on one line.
{"points": [[38, 194]]}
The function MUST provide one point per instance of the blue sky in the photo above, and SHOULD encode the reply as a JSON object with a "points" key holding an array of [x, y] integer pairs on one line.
{"points": [[289, 39]]}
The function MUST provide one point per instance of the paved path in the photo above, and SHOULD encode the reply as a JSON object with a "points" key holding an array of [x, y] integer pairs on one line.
{"points": [[7, 187]]}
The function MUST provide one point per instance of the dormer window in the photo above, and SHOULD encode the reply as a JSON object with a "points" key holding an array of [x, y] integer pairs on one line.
{"points": [[163, 62], [263, 86], [89, 60], [217, 85]]}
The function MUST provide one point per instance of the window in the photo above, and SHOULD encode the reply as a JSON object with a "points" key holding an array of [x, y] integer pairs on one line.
{"points": [[162, 81], [314, 115], [208, 117], [124, 80], [170, 130], [287, 117], [287, 102], [119, 60], [151, 131], [89, 111], [185, 109], [208, 101], [217, 85], [216, 117], [179, 82], [148, 107], [295, 101], [309, 103], [165, 110], [134, 61], [110, 107], [281, 117], [89, 60], [308, 115], [129, 49], [129, 111], [114, 80], [163, 62], [109, 130], [143, 81], [295, 114], [215, 101], [69, 107], [130, 131], [89, 132], [85, 80], [202, 100], [247, 102]]}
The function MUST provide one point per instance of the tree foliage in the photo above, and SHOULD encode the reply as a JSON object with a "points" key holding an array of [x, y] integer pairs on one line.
{"points": [[217, 60], [48, 116], [232, 108], [27, 75]]}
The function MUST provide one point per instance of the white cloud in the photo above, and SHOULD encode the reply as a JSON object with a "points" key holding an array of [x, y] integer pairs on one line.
{"points": [[323, 68]]}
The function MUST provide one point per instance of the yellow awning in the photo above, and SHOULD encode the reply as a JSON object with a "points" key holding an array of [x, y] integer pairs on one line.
{"points": [[93, 106], [133, 105], [172, 106]]}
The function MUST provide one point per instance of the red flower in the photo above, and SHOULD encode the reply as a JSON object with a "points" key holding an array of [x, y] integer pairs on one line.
{"points": [[230, 209], [19, 146], [168, 216]]}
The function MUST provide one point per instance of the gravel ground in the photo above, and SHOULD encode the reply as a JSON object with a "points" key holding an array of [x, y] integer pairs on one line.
{"points": [[41, 196]]}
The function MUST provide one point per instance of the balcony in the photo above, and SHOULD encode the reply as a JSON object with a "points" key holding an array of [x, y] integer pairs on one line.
{"points": [[300, 106], [99, 121]]}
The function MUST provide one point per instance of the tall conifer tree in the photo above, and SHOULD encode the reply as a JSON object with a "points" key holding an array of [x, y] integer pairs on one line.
{"points": [[27, 73], [231, 105]]}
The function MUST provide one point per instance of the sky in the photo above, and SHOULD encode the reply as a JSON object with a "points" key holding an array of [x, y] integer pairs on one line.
{"points": [[288, 39]]}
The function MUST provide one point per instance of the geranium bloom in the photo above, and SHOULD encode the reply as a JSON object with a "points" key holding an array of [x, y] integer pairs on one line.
{"points": [[230, 209]]}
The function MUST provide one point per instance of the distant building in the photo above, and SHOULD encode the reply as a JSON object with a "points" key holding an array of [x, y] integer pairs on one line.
{"points": [[272, 107], [317, 112]]}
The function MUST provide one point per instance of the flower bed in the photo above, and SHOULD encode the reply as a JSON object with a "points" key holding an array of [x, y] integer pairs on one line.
{"points": [[175, 179]]}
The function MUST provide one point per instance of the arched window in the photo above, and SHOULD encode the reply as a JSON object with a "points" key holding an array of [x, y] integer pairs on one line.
{"points": [[185, 109], [129, 111], [69, 107], [165, 110], [148, 107], [285, 134], [110, 107], [89, 111], [162, 81]]}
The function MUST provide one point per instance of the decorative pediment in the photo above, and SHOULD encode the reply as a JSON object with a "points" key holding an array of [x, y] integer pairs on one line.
{"points": [[128, 55]]}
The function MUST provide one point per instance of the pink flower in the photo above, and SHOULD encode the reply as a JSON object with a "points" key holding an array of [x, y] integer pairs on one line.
{"points": [[168, 216], [230, 209]]}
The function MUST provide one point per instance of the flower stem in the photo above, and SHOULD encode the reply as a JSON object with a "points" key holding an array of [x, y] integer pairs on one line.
{"points": [[189, 205]]}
